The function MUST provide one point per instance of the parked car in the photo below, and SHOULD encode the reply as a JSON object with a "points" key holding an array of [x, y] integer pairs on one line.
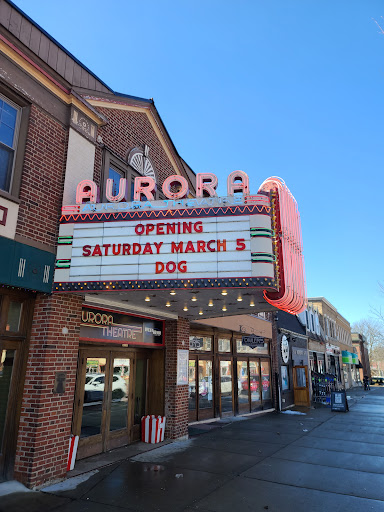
{"points": [[94, 387], [377, 380]]}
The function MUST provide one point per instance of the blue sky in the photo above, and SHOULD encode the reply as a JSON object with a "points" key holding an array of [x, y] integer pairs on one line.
{"points": [[285, 88]]}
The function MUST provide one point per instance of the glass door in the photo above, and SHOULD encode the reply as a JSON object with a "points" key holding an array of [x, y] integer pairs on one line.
{"points": [[266, 380], [103, 416], [205, 394], [226, 388], [254, 377], [243, 394], [201, 397]]}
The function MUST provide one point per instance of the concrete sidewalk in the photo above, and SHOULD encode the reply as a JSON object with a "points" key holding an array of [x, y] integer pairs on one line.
{"points": [[278, 462]]}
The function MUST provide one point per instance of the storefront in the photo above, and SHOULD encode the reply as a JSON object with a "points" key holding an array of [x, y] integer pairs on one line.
{"points": [[226, 376], [333, 362], [117, 383]]}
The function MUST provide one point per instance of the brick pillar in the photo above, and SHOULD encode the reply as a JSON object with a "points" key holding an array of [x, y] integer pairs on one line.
{"points": [[176, 397], [45, 421]]}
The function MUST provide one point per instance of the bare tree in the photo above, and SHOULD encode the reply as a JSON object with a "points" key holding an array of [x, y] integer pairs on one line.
{"points": [[373, 330]]}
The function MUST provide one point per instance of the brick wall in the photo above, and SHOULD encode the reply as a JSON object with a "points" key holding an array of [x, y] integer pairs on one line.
{"points": [[127, 130], [45, 421], [43, 178], [176, 397]]}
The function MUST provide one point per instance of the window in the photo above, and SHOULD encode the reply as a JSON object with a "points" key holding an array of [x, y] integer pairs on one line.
{"points": [[284, 378], [9, 124], [116, 168]]}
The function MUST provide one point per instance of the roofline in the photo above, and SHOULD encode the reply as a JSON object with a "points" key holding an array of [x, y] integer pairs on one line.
{"points": [[58, 44], [323, 299]]}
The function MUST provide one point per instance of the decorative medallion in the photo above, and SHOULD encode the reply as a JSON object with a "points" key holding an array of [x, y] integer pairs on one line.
{"points": [[140, 161], [284, 348]]}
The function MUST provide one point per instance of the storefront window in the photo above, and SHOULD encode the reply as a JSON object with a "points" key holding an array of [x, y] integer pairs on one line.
{"points": [[266, 380], [242, 382], [244, 349], [14, 316], [203, 343], [205, 385], [320, 363], [284, 378], [224, 345]]}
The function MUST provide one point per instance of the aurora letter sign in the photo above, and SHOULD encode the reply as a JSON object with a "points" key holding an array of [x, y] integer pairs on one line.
{"points": [[184, 242]]}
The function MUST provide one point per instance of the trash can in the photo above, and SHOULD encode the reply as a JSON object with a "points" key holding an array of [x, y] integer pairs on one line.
{"points": [[152, 428]]}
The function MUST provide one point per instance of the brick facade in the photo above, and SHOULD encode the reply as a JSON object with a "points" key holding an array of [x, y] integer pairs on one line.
{"points": [[176, 397], [45, 422], [126, 130], [43, 178]]}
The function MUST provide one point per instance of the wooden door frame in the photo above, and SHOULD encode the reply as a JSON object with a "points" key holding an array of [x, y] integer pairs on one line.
{"points": [[20, 342], [203, 414], [296, 388]]}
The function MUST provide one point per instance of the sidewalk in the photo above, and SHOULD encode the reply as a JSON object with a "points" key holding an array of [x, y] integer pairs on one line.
{"points": [[314, 462]]}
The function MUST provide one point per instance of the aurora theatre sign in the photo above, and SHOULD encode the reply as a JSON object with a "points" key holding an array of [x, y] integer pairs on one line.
{"points": [[239, 242]]}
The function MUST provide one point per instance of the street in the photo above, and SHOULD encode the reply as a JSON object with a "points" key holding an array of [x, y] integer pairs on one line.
{"points": [[317, 461]]}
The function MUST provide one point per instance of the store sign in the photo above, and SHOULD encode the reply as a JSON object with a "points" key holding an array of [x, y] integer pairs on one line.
{"points": [[332, 349], [240, 240], [196, 343], [120, 328], [347, 357], [252, 341]]}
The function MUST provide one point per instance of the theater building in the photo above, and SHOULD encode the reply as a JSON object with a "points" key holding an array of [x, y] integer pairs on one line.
{"points": [[151, 268]]}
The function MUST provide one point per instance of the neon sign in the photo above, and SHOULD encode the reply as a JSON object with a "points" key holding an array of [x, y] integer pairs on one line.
{"points": [[206, 241]]}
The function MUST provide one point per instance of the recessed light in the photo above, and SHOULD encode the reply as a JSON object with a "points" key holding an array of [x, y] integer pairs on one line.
{"points": [[224, 308], [239, 298], [172, 292], [194, 298], [168, 304], [147, 299], [224, 292], [185, 308], [210, 303], [200, 312]]}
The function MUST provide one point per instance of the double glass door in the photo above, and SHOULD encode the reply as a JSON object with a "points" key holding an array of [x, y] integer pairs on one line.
{"points": [[111, 399], [200, 388]]}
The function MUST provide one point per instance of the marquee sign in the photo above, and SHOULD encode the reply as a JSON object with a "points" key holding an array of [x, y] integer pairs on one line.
{"points": [[238, 241]]}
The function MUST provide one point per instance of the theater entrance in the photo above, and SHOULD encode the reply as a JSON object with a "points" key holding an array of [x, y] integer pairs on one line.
{"points": [[111, 398]]}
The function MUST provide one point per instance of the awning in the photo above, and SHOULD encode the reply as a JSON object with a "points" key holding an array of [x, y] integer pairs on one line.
{"points": [[349, 357]]}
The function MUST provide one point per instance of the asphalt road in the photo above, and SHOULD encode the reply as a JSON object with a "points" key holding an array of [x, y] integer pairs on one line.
{"points": [[315, 462]]}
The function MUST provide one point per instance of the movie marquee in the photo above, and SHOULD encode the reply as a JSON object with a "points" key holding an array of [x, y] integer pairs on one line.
{"points": [[244, 244]]}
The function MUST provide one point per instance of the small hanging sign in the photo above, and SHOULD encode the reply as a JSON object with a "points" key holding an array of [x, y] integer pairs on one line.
{"points": [[252, 341]]}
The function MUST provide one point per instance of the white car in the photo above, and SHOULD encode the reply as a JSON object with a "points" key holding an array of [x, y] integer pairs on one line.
{"points": [[94, 387]]}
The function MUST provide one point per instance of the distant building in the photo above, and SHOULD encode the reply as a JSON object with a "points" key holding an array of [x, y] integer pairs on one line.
{"points": [[360, 343]]}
